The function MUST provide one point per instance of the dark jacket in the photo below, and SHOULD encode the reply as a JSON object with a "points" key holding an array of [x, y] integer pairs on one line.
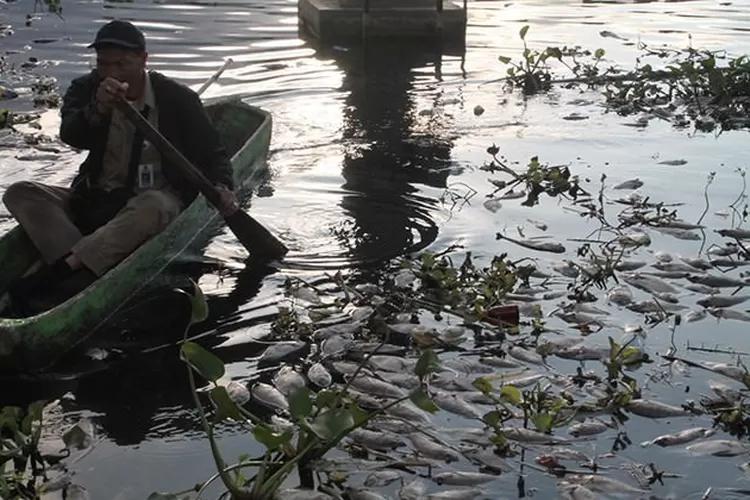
{"points": [[182, 121]]}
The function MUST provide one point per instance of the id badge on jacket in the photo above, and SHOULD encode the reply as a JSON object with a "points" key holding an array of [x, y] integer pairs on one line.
{"points": [[146, 176]]}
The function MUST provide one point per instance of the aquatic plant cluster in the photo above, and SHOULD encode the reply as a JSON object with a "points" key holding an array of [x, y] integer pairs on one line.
{"points": [[463, 379], [686, 86]]}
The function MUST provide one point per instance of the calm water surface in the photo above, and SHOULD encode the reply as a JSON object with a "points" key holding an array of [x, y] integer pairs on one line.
{"points": [[365, 148]]}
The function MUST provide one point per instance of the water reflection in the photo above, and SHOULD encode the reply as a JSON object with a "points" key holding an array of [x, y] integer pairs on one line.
{"points": [[387, 153]]}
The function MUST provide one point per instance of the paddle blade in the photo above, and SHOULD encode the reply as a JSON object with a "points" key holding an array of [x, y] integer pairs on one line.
{"points": [[254, 237]]}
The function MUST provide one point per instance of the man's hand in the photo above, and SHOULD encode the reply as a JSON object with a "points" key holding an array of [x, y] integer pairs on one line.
{"points": [[109, 91], [228, 204]]}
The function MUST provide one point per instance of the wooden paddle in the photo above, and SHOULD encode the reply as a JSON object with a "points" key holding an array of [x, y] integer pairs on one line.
{"points": [[253, 236]]}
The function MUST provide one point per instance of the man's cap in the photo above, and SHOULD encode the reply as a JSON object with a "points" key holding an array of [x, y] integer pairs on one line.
{"points": [[120, 34]]}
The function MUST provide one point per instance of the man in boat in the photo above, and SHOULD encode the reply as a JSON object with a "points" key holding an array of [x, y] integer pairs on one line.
{"points": [[124, 192]]}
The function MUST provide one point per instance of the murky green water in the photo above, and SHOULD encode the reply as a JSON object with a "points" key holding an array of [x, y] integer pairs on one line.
{"points": [[366, 149]]}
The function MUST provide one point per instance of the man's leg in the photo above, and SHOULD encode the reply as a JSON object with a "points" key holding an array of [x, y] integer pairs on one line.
{"points": [[144, 216], [42, 212]]}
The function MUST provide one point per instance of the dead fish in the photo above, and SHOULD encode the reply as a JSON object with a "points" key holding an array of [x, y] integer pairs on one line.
{"points": [[655, 409], [375, 387], [534, 245], [682, 437], [730, 371], [583, 353], [412, 490], [79, 436], [692, 316], [394, 425], [499, 362], [335, 345], [589, 427], [454, 403], [545, 347], [456, 478], [360, 313], [453, 335], [287, 380], [467, 366], [538, 224], [566, 268], [318, 375], [575, 491], [719, 312], [719, 448], [237, 392], [348, 368], [269, 396], [648, 284], [408, 411], [716, 281], [431, 449], [629, 184], [725, 392], [629, 265], [301, 494], [620, 295], [740, 234], [636, 238], [706, 290], [283, 351], [404, 380], [454, 383], [730, 263], [698, 263], [525, 355], [376, 440], [679, 267], [307, 294], [529, 436], [465, 494], [603, 484], [381, 478], [681, 224], [567, 454], [680, 234], [722, 300], [340, 329], [76, 492], [363, 494]]}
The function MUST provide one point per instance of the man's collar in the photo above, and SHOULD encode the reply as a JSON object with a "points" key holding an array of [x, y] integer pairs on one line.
{"points": [[148, 96]]}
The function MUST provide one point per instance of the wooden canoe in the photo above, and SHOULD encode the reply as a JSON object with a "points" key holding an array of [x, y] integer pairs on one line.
{"points": [[35, 343]]}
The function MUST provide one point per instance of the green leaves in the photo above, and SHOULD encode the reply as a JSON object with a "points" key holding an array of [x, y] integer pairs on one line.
{"points": [[523, 31], [428, 363], [330, 423], [511, 394], [225, 407], [206, 364], [269, 438], [300, 404], [423, 401]]}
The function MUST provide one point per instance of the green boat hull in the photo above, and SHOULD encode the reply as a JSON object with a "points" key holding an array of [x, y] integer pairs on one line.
{"points": [[36, 343]]}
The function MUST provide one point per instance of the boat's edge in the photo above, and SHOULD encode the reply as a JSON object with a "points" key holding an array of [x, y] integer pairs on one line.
{"points": [[11, 330]]}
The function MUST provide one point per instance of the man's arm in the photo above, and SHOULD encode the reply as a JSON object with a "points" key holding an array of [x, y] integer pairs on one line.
{"points": [[210, 156], [81, 122]]}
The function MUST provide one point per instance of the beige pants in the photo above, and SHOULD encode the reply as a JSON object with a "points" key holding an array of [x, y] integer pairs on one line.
{"points": [[42, 211]]}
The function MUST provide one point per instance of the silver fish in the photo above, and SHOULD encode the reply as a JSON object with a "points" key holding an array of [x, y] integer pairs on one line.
{"points": [[456, 478], [620, 295], [720, 312], [376, 440], [725, 392], [571, 491], [740, 234], [336, 345], [722, 300], [719, 448], [390, 363], [566, 268], [525, 355], [635, 238], [498, 362], [542, 246], [318, 375], [413, 490], [681, 234], [682, 437], [403, 380], [528, 436], [341, 329], [583, 353], [363, 494], [465, 494], [287, 380], [381, 478], [431, 449], [395, 425], [589, 427], [628, 265], [716, 281], [697, 263], [538, 224], [76, 492], [730, 263], [629, 184], [706, 290], [300, 494], [602, 484], [467, 366], [408, 411], [655, 409], [692, 316], [648, 284], [280, 351], [455, 404], [361, 313], [269, 396], [370, 385]]}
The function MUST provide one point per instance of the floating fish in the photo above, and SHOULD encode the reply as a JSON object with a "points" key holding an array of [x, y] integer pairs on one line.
{"points": [[719, 448], [740, 234], [534, 245], [589, 427], [412, 490], [287, 380], [571, 491], [648, 284], [376, 440], [431, 449], [603, 484], [318, 375], [283, 351], [716, 281], [375, 387], [655, 409], [620, 295], [629, 184], [363, 494], [302, 494], [381, 478], [682, 437], [460, 478], [529, 436], [454, 403], [722, 300], [269, 396], [464, 494]]}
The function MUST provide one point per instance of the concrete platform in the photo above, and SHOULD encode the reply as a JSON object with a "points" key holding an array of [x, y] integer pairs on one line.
{"points": [[341, 21]]}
